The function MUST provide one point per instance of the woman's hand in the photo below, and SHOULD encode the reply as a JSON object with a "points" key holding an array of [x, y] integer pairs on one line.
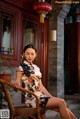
{"points": [[33, 76], [16, 83]]}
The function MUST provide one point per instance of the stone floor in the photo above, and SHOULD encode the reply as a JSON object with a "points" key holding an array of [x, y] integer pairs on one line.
{"points": [[54, 115]]}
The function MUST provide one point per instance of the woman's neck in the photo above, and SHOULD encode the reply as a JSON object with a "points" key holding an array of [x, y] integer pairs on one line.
{"points": [[26, 62]]}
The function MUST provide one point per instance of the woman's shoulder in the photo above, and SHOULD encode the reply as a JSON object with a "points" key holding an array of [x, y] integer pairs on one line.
{"points": [[19, 68], [21, 65]]}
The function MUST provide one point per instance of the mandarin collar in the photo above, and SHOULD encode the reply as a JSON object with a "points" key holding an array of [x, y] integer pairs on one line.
{"points": [[27, 62]]}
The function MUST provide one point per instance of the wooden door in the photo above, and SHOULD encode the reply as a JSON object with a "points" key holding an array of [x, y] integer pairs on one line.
{"points": [[71, 59]]}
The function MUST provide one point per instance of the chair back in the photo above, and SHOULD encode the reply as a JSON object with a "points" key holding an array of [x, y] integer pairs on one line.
{"points": [[35, 113]]}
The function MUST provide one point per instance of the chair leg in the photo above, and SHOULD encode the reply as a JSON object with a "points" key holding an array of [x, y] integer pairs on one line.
{"points": [[43, 116], [11, 115]]}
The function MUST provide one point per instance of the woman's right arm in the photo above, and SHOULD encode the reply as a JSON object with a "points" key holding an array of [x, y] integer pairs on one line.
{"points": [[18, 78]]}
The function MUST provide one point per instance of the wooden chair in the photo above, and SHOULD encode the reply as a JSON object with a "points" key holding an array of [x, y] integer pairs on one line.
{"points": [[35, 113]]}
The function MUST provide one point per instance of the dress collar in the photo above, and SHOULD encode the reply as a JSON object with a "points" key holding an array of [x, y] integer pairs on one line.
{"points": [[27, 62]]}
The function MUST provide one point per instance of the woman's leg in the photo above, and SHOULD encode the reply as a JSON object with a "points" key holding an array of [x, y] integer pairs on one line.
{"points": [[61, 106], [71, 114]]}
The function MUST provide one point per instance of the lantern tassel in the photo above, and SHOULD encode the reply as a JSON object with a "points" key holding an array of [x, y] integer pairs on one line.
{"points": [[41, 18]]}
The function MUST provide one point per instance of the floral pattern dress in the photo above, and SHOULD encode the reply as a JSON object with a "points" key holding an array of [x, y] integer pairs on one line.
{"points": [[32, 85]]}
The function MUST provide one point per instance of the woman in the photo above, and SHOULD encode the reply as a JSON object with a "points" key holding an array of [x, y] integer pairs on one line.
{"points": [[30, 74]]}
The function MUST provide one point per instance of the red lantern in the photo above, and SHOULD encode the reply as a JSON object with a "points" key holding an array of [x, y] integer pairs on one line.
{"points": [[42, 8]]}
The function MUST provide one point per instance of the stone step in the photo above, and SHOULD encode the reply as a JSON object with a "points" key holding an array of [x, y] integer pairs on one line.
{"points": [[72, 97], [73, 101], [73, 104], [52, 115]]}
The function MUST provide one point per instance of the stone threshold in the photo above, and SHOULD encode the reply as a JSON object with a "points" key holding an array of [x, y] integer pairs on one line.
{"points": [[72, 97]]}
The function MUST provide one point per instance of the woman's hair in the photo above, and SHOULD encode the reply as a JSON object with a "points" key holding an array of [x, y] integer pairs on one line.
{"points": [[29, 46]]}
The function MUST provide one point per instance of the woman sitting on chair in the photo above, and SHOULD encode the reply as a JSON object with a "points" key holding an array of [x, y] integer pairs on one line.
{"points": [[30, 74]]}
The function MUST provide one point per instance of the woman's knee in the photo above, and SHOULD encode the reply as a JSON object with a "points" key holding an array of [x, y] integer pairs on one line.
{"points": [[62, 102]]}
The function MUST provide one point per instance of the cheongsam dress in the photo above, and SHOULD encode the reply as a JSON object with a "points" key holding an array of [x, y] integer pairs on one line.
{"points": [[32, 85]]}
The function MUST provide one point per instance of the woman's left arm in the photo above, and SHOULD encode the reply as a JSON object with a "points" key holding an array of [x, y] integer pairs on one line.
{"points": [[44, 90]]}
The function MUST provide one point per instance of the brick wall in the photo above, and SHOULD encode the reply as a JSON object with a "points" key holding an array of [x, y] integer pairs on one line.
{"points": [[56, 52]]}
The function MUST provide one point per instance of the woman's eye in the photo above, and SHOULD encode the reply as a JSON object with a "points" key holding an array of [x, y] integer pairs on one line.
{"points": [[27, 53], [32, 54]]}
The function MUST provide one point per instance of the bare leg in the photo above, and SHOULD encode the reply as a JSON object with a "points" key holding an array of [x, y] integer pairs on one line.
{"points": [[72, 115], [61, 105]]}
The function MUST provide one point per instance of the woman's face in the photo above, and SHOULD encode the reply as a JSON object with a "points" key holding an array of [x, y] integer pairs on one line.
{"points": [[29, 55]]}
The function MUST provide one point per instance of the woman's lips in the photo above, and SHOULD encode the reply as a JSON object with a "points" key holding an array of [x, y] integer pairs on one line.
{"points": [[30, 59]]}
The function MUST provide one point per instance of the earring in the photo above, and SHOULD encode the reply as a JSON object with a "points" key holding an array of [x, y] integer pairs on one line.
{"points": [[22, 58]]}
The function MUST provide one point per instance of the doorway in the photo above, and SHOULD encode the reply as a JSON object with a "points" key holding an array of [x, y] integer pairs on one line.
{"points": [[70, 57]]}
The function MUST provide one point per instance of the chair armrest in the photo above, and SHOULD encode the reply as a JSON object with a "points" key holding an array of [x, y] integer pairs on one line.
{"points": [[7, 93]]}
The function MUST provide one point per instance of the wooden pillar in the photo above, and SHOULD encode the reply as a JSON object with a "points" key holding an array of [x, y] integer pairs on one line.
{"points": [[43, 51]]}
